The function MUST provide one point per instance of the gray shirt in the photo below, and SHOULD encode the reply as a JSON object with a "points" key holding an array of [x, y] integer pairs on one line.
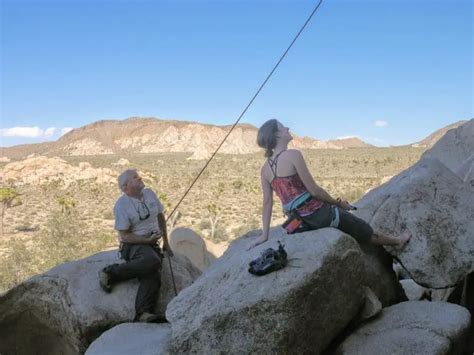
{"points": [[139, 216]]}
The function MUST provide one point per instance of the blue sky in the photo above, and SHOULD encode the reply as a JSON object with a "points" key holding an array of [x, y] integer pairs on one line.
{"points": [[388, 71]]}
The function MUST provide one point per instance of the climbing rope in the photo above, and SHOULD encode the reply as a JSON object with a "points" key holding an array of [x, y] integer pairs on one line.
{"points": [[248, 105]]}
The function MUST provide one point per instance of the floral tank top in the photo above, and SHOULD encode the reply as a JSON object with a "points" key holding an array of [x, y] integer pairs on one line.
{"points": [[288, 188]]}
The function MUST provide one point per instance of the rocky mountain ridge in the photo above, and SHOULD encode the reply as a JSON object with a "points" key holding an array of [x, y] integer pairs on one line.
{"points": [[152, 135], [430, 141]]}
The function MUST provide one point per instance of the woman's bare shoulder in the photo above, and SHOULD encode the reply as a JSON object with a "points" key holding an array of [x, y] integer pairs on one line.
{"points": [[294, 153]]}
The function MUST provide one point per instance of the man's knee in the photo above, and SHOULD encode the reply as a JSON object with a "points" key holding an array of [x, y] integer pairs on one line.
{"points": [[152, 263]]}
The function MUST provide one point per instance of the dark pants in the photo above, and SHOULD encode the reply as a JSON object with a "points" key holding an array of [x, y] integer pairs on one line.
{"points": [[142, 262], [357, 228]]}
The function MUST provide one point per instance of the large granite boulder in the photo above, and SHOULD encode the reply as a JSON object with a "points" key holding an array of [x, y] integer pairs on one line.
{"points": [[414, 291], [133, 338], [435, 205], [466, 170], [298, 309], [186, 242], [380, 275], [414, 327], [455, 149], [64, 310]]}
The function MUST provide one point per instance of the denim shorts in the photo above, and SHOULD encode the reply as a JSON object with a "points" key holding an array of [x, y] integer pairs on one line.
{"points": [[357, 228]]}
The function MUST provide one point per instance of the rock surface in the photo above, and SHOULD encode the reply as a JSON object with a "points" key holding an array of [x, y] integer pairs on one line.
{"points": [[414, 291], [202, 152], [133, 338], [414, 327], [372, 306], [122, 162], [186, 242], [63, 310], [86, 146], [380, 276], [455, 147], [40, 169], [435, 206], [297, 309], [466, 170]]}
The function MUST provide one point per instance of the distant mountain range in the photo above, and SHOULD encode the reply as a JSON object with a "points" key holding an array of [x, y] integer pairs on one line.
{"points": [[151, 135], [429, 141]]}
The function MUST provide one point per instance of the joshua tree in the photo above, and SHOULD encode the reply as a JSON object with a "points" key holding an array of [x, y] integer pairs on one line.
{"points": [[67, 203], [213, 208], [7, 196], [214, 212]]}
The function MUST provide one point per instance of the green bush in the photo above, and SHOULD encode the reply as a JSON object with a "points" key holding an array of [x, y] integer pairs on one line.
{"points": [[65, 237]]}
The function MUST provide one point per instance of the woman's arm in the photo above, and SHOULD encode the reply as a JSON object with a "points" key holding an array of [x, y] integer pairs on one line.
{"points": [[267, 211], [313, 188], [267, 207]]}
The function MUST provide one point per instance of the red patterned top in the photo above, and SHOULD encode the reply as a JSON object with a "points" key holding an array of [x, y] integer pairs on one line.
{"points": [[290, 187]]}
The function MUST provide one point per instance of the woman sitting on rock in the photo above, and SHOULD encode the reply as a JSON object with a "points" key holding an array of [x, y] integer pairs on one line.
{"points": [[286, 173]]}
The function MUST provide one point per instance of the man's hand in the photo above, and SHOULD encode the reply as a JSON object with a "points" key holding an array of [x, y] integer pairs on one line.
{"points": [[167, 248], [153, 238]]}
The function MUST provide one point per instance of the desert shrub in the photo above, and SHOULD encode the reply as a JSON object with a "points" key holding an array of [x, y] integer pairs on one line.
{"points": [[64, 237], [220, 235], [9, 197], [237, 185], [240, 231], [108, 214]]}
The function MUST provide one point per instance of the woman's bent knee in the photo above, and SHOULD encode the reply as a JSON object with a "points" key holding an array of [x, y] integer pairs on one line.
{"points": [[356, 227]]}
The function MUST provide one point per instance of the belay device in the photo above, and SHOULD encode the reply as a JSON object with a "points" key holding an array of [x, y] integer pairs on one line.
{"points": [[270, 260]]}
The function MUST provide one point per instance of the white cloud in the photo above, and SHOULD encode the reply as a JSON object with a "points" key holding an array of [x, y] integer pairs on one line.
{"points": [[49, 131], [65, 130], [347, 137], [30, 132], [380, 123]]}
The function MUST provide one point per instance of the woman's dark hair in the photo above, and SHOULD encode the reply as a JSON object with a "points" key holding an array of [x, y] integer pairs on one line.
{"points": [[266, 136]]}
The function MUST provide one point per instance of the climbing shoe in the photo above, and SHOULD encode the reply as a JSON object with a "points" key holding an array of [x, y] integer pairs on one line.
{"points": [[270, 260], [105, 281]]}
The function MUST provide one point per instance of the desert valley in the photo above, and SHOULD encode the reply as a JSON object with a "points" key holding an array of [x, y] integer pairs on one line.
{"points": [[57, 232]]}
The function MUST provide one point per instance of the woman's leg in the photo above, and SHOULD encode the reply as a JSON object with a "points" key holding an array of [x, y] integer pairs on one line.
{"points": [[363, 232]]}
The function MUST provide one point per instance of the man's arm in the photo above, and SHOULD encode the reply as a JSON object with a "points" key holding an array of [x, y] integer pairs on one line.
{"points": [[164, 233]]}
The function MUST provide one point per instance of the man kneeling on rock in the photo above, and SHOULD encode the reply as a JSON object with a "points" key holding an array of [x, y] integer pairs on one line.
{"points": [[140, 223]]}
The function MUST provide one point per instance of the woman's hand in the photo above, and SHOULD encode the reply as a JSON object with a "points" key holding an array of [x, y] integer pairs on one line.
{"points": [[256, 242]]}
